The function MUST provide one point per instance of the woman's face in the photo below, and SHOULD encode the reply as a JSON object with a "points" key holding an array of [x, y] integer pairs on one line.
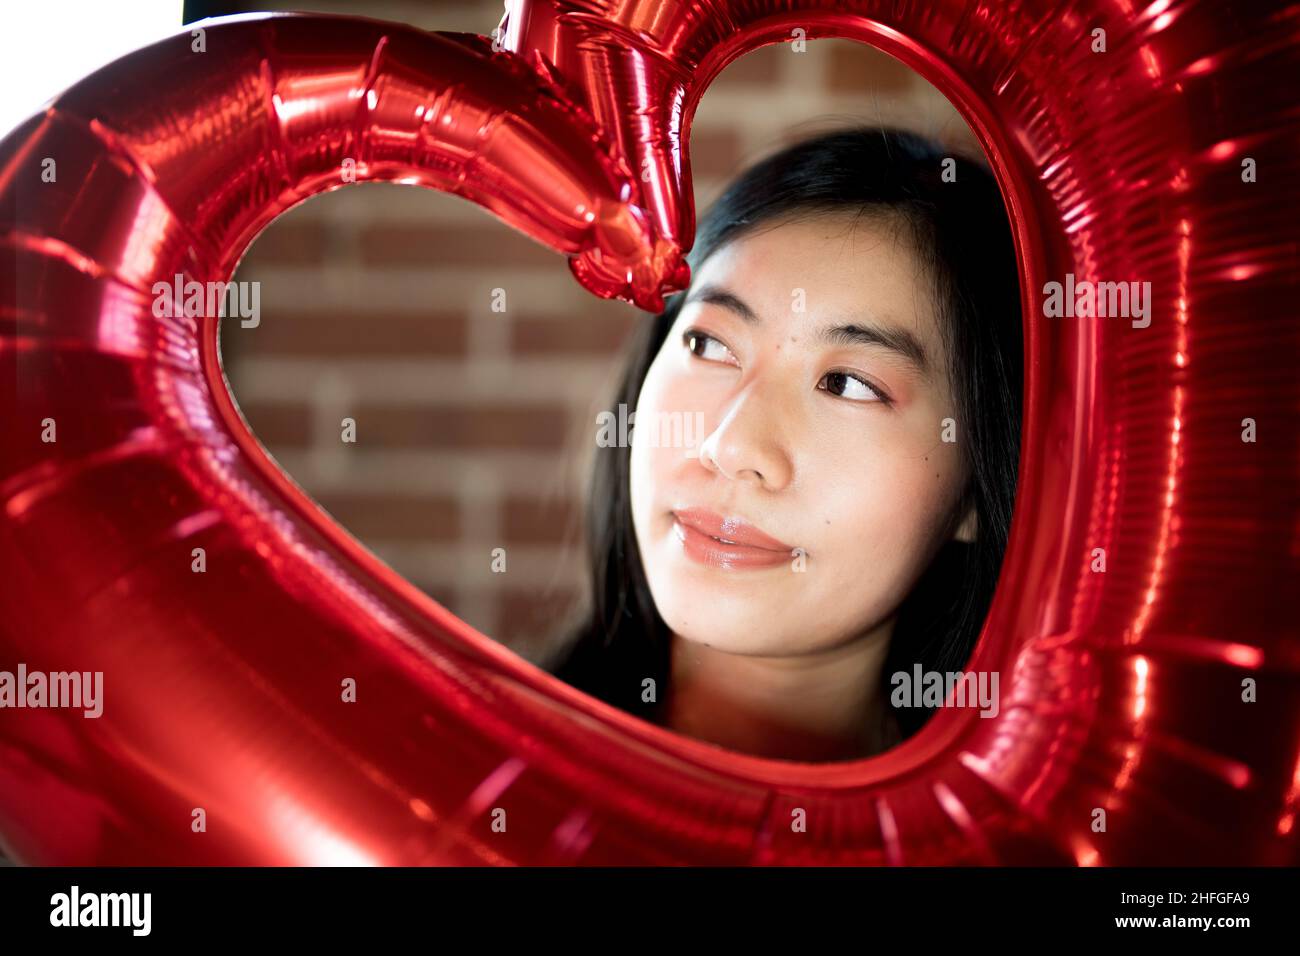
{"points": [[807, 369]]}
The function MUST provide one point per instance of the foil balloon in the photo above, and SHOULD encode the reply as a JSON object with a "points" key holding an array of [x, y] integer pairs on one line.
{"points": [[1158, 695]]}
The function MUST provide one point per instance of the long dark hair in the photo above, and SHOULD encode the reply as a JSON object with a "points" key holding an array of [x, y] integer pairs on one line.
{"points": [[959, 224]]}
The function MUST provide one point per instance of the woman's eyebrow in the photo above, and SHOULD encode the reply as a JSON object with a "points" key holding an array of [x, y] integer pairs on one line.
{"points": [[895, 339], [716, 295]]}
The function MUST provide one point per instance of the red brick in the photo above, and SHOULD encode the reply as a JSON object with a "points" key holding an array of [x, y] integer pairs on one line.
{"points": [[454, 244], [394, 517], [441, 591], [540, 521], [534, 616], [756, 68], [523, 427], [279, 425], [290, 242], [599, 335], [358, 334], [715, 152], [859, 68]]}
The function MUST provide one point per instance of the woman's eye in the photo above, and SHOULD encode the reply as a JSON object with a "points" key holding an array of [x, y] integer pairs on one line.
{"points": [[851, 387], [705, 346]]}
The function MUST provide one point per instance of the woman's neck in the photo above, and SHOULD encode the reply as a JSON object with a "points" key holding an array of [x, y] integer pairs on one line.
{"points": [[816, 707]]}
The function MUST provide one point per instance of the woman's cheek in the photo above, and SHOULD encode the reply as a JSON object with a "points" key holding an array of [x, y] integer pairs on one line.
{"points": [[884, 511], [678, 408], [923, 443], [652, 465]]}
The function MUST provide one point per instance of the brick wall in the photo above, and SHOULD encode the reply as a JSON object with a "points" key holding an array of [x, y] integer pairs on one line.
{"points": [[474, 427]]}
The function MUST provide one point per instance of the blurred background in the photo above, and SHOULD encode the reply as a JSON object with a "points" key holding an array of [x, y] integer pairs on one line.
{"points": [[474, 428]]}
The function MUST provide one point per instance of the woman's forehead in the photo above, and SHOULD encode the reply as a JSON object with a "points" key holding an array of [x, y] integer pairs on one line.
{"points": [[833, 266]]}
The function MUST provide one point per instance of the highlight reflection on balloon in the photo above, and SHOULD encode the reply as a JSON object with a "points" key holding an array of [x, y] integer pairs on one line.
{"points": [[1123, 689]]}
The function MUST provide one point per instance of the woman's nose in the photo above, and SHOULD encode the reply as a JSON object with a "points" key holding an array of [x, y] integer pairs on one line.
{"points": [[748, 443]]}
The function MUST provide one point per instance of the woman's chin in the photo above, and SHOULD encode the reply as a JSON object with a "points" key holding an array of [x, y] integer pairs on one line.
{"points": [[735, 627], [713, 601], [724, 640]]}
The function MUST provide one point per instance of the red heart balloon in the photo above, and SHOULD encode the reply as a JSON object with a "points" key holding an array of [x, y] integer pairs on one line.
{"points": [[221, 689], [220, 686]]}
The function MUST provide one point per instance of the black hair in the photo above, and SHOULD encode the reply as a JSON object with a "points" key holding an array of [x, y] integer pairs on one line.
{"points": [[958, 222]]}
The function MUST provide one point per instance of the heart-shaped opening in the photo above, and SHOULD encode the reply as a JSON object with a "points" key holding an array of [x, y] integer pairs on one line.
{"points": [[464, 409]]}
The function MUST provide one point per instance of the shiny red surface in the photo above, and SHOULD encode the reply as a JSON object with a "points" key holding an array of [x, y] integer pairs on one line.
{"points": [[1121, 690]]}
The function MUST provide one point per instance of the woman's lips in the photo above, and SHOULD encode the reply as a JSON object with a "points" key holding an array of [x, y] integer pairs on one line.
{"points": [[710, 539]]}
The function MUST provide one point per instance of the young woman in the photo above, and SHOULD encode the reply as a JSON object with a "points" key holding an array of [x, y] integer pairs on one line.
{"points": [[845, 371]]}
